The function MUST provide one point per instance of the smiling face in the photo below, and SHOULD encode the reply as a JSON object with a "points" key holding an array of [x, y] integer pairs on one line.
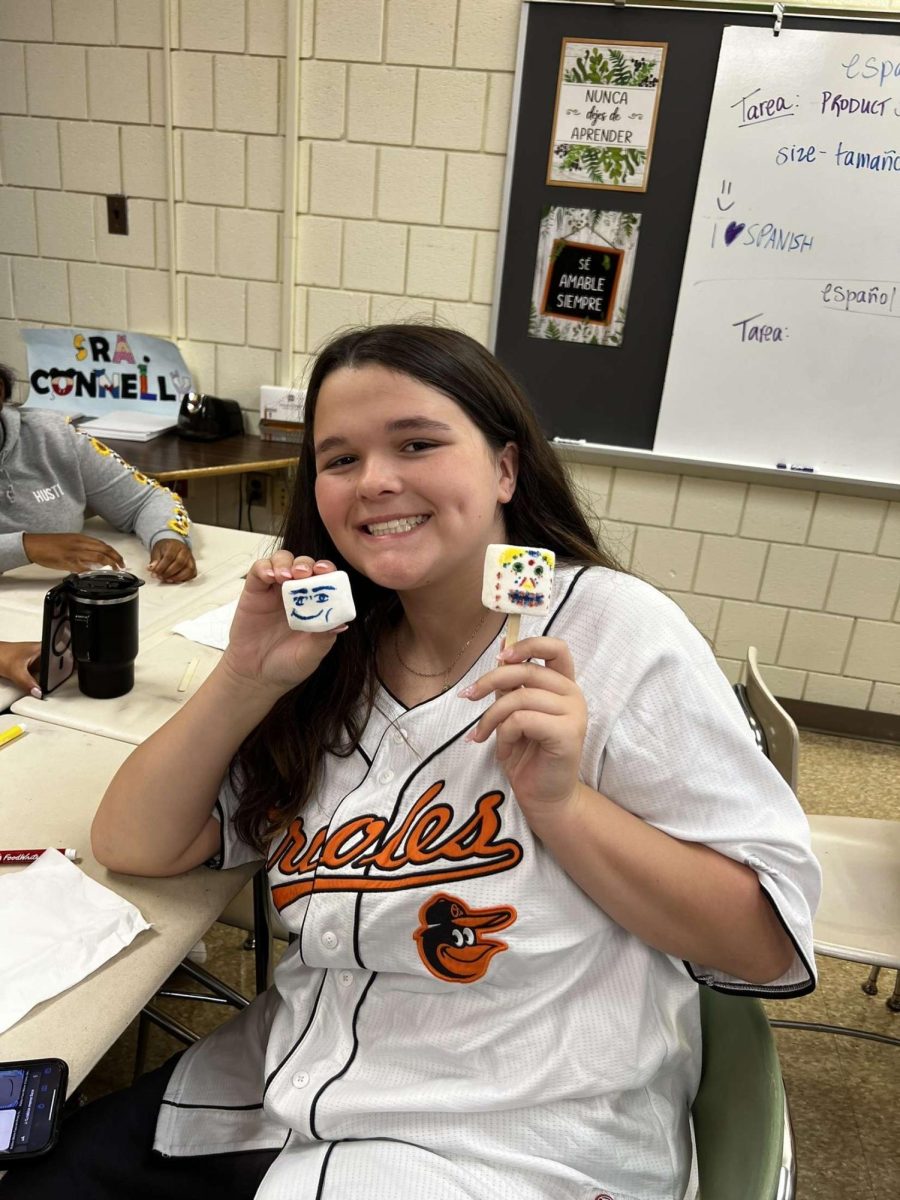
{"points": [[406, 484], [311, 603], [319, 604]]}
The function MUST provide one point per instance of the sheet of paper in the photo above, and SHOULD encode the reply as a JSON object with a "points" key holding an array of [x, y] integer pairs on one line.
{"points": [[57, 926], [209, 629]]}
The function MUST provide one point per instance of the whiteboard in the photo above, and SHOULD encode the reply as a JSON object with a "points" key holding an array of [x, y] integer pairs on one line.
{"points": [[786, 343]]}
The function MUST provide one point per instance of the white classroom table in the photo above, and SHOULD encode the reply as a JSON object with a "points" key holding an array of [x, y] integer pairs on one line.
{"points": [[52, 781], [168, 670], [223, 556]]}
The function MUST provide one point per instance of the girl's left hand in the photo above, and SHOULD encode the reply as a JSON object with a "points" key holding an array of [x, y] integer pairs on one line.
{"points": [[540, 720]]}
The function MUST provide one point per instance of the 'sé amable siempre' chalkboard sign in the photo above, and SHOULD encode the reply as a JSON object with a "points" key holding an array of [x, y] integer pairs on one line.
{"points": [[582, 282]]}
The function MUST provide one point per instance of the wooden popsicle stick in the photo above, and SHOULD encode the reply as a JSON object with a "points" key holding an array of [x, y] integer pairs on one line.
{"points": [[188, 674], [512, 630]]}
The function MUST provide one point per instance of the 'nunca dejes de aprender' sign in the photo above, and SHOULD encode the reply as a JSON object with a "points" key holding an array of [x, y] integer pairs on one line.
{"points": [[607, 98]]}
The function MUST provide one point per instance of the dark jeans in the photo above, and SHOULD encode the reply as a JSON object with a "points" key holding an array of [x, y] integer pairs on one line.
{"points": [[105, 1152]]}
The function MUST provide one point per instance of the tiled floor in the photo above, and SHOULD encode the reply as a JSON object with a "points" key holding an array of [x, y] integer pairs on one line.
{"points": [[844, 1093]]}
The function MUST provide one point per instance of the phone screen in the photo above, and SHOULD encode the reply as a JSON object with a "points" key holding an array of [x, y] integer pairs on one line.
{"points": [[31, 1099], [57, 662]]}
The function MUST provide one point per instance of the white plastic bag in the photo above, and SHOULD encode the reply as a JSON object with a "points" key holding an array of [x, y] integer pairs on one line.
{"points": [[56, 927]]}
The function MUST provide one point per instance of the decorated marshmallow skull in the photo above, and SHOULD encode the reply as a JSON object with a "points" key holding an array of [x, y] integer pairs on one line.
{"points": [[518, 579], [319, 602]]}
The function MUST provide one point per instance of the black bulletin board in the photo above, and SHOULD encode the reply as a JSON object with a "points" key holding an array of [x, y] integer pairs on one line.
{"points": [[611, 395]]}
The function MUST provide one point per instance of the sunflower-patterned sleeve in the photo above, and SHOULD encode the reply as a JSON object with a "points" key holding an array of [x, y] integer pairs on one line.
{"points": [[125, 498]]}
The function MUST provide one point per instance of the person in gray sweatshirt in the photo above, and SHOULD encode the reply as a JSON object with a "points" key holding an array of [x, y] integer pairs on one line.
{"points": [[50, 472]]}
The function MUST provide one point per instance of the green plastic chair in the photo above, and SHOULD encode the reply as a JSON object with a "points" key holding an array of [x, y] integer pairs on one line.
{"points": [[745, 1146]]}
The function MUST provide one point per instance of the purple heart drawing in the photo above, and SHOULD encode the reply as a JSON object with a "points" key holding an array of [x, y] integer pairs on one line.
{"points": [[732, 230]]}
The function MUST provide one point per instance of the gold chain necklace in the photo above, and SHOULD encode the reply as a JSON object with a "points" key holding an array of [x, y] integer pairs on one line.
{"points": [[445, 671]]}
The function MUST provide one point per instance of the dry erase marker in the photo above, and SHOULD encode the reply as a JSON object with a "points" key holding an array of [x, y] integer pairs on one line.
{"points": [[18, 858], [10, 735]]}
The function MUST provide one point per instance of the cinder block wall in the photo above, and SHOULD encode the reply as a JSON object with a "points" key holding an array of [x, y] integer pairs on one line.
{"points": [[403, 121]]}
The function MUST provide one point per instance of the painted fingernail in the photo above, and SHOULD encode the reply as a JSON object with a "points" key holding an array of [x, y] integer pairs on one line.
{"points": [[505, 655], [269, 573], [470, 736], [467, 693], [36, 692], [322, 563], [284, 573], [303, 568]]}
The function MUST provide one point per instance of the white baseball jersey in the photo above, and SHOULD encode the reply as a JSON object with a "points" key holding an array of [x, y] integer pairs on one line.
{"points": [[456, 1018]]}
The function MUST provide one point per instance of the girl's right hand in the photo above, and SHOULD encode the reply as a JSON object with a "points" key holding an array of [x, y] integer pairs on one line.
{"points": [[262, 649]]}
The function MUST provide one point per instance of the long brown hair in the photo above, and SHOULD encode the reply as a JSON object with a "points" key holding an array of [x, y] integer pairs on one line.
{"points": [[279, 764]]}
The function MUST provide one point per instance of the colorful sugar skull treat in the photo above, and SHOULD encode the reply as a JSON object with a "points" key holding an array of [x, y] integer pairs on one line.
{"points": [[318, 603], [518, 579]]}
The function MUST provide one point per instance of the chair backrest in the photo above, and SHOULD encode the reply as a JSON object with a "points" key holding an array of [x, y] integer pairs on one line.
{"points": [[782, 738], [741, 1125]]}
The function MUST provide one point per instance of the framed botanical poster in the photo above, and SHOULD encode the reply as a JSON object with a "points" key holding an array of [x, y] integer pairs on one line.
{"points": [[582, 275], [607, 98]]}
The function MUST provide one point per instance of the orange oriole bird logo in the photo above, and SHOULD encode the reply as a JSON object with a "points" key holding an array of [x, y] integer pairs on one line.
{"points": [[451, 937]]}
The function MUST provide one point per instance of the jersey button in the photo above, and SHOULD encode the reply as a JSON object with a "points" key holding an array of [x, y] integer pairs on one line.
{"points": [[300, 1080], [385, 776], [346, 978], [396, 737], [329, 939]]}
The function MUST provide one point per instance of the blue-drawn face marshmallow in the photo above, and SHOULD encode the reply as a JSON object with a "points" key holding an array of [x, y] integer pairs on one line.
{"points": [[306, 598], [318, 604]]}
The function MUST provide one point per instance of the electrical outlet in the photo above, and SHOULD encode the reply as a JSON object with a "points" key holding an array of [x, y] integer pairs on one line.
{"points": [[281, 495], [117, 214], [257, 490]]}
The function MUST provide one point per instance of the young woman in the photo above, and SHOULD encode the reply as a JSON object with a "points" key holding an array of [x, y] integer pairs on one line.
{"points": [[506, 870], [49, 474]]}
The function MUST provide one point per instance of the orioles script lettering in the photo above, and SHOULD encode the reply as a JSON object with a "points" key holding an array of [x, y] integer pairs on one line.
{"points": [[338, 859]]}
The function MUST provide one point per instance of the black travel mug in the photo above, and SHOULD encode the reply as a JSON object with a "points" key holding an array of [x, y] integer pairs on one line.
{"points": [[103, 613]]}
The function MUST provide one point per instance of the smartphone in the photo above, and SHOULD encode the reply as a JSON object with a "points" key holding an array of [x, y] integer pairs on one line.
{"points": [[31, 1100], [57, 661]]}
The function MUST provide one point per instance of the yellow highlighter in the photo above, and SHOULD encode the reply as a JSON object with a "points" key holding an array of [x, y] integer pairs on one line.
{"points": [[10, 735]]}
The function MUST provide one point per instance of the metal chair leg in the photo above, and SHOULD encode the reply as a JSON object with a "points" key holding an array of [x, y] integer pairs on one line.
{"points": [[845, 1031], [152, 1016], [870, 987], [140, 1053], [263, 932], [893, 1001], [169, 1025], [217, 987]]}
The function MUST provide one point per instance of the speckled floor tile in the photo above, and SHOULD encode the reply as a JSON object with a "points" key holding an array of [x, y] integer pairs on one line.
{"points": [[849, 777], [830, 1161], [844, 1094]]}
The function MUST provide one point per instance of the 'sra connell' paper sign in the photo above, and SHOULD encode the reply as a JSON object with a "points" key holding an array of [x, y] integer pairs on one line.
{"points": [[96, 371], [582, 276], [606, 103]]}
